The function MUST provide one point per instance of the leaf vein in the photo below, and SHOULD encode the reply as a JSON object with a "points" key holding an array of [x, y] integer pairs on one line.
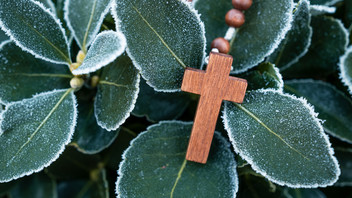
{"points": [[46, 40], [161, 39], [41, 75], [40, 125], [271, 131], [178, 177], [88, 27], [112, 84]]}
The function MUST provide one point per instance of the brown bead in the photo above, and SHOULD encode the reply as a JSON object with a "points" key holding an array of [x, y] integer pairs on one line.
{"points": [[221, 44], [234, 18], [242, 4]]}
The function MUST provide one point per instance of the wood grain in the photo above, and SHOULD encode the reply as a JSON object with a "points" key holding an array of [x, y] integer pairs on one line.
{"points": [[213, 85]]}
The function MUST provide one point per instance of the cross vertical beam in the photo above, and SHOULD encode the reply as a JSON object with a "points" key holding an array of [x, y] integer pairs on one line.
{"points": [[213, 85]]}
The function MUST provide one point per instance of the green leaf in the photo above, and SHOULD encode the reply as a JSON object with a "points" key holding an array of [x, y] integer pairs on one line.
{"points": [[157, 106], [6, 187], [35, 29], [346, 69], [323, 2], [257, 187], [117, 93], [73, 165], [22, 75], [329, 42], [348, 13], [267, 22], [3, 36], [96, 187], [280, 136], [331, 104], [306, 193], [84, 19], [321, 10], [90, 138], [35, 132], [266, 76], [37, 185], [163, 38], [157, 157], [107, 46], [213, 15], [297, 40], [345, 159]]}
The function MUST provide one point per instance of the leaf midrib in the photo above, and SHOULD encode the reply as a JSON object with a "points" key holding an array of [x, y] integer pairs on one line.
{"points": [[183, 166], [40, 75], [88, 27], [159, 36], [104, 82], [46, 40], [268, 129], [40, 125]]}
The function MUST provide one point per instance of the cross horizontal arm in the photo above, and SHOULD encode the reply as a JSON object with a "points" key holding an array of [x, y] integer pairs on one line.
{"points": [[236, 90], [193, 80]]}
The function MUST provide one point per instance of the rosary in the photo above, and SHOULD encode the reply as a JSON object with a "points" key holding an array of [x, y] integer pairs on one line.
{"points": [[214, 85]]}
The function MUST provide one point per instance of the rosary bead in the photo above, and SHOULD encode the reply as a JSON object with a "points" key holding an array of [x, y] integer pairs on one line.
{"points": [[242, 4], [234, 18], [221, 44]]}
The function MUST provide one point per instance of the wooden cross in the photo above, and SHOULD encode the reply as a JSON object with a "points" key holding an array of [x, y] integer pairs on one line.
{"points": [[213, 85]]}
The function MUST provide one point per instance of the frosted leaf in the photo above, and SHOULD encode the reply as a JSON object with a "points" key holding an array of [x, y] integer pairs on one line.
{"points": [[252, 186], [345, 159], [35, 29], [320, 9], [48, 4], [282, 139], [89, 138], [40, 185], [163, 38], [69, 165], [348, 16], [84, 19], [346, 69], [297, 40], [323, 2], [267, 23], [157, 156], [22, 75], [117, 93], [300, 193], [212, 14], [35, 132], [95, 187], [157, 106], [266, 76], [3, 36], [331, 104], [329, 42], [107, 46]]}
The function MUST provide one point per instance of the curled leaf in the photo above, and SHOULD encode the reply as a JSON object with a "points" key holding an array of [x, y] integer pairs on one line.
{"points": [[107, 46], [84, 18]]}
